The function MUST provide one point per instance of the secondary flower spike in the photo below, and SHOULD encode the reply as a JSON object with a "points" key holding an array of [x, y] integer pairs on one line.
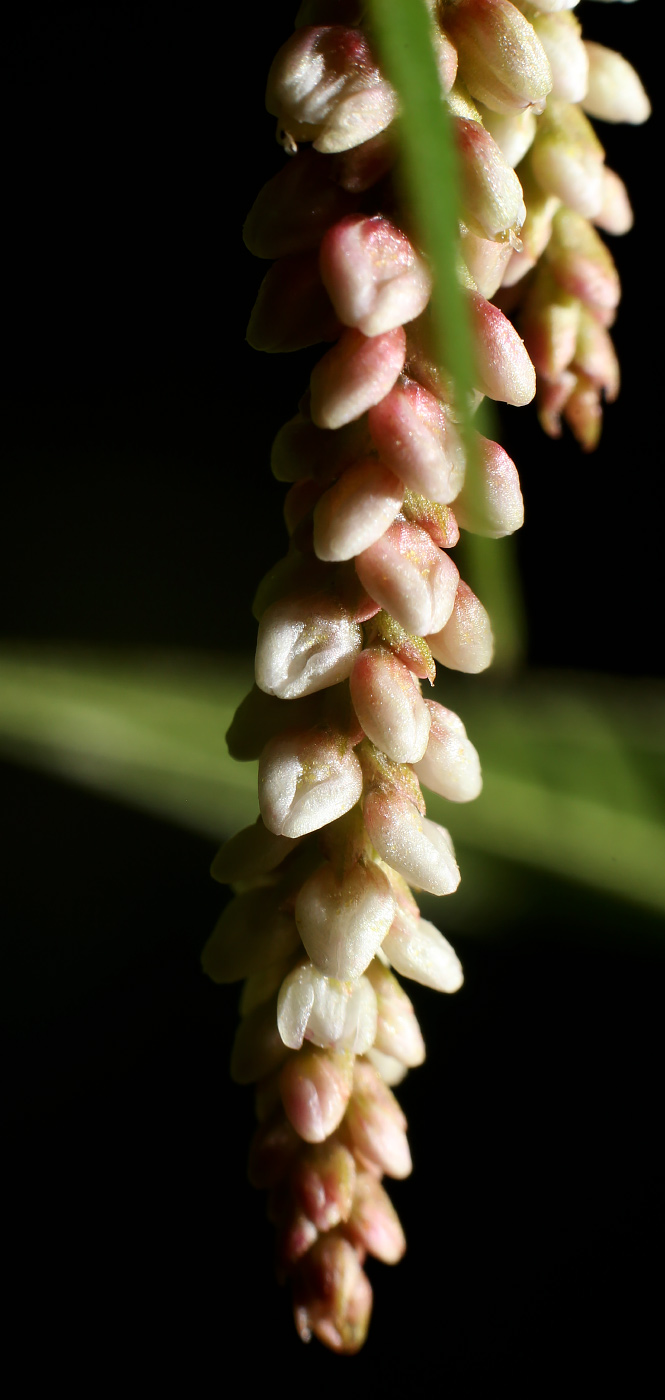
{"points": [[323, 921]]}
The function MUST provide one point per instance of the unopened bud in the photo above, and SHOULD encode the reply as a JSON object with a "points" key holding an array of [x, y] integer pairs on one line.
{"points": [[324, 87], [595, 356], [486, 261], [307, 779], [249, 854], [418, 440], [583, 413], [260, 717], [552, 399], [315, 1086], [418, 849], [513, 133], [332, 1296], [305, 645], [328, 1012], [494, 507], [355, 375], [397, 1033], [261, 986], [258, 1048], [251, 933], [324, 1183], [389, 706], [292, 309], [536, 230], [294, 209], [356, 511], [561, 37], [272, 1151], [416, 949], [373, 1223], [567, 158], [451, 765], [373, 276], [410, 577], [550, 321], [466, 642], [615, 92], [392, 1071], [581, 262], [503, 368], [492, 202], [616, 213], [303, 450], [343, 920], [501, 59], [374, 1123]]}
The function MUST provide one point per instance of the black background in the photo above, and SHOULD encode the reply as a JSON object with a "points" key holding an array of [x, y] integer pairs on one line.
{"points": [[138, 510]]}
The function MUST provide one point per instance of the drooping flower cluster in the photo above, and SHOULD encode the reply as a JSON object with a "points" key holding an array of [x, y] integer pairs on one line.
{"points": [[367, 598]]}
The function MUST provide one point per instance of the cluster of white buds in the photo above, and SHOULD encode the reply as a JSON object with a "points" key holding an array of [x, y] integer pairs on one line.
{"points": [[367, 599]]}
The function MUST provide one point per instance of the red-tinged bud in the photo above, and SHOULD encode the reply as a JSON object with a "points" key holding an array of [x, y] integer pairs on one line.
{"points": [[410, 577], [596, 358], [343, 921], [486, 261], [298, 508], [315, 1086], [513, 132], [417, 950], [561, 37], [373, 276], [582, 264], [363, 166], [418, 849], [492, 202], [494, 507], [332, 1296], [324, 1183], [615, 92], [272, 1151], [294, 209], [387, 700], [325, 87], [550, 321], [397, 1032], [294, 1238], [567, 158], [410, 649], [355, 375], [260, 717], [437, 520], [503, 368], [293, 309], [552, 399], [616, 213], [583, 413], [417, 438], [307, 779], [305, 645], [251, 933], [258, 1048], [451, 765], [293, 574], [374, 1123], [374, 1224], [302, 450], [501, 59], [466, 642], [354, 513], [249, 854]]}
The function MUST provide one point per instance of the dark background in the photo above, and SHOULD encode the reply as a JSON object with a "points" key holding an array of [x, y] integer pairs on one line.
{"points": [[138, 510]]}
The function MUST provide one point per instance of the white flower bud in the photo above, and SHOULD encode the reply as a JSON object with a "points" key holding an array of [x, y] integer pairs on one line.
{"points": [[417, 950], [373, 276], [397, 1032], [305, 644], [615, 92], [512, 131], [405, 573], [418, 849], [501, 59], [307, 779], [567, 158], [466, 642], [342, 921], [392, 1071], [616, 214], [561, 37], [356, 511], [451, 765], [492, 202], [328, 1012], [387, 700]]}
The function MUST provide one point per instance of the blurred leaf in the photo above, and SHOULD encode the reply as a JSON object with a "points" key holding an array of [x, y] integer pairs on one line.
{"points": [[573, 765]]}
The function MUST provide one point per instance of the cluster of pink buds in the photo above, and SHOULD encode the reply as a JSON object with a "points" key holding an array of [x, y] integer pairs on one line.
{"points": [[368, 598]]}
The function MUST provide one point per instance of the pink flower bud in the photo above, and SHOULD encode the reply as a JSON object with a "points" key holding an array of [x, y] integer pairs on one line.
{"points": [[494, 507], [581, 262], [567, 158], [418, 440], [595, 356], [293, 309], [258, 1048], [303, 450], [407, 575], [373, 276], [326, 1011], [305, 645], [324, 1183], [503, 368], [294, 209], [486, 261], [325, 87], [492, 202], [315, 1086], [615, 214], [272, 1151], [615, 92], [250, 934], [249, 854], [418, 849], [373, 1223], [374, 1123], [389, 706], [343, 920], [354, 513], [550, 322], [307, 779], [417, 950], [513, 133], [355, 375], [397, 1033], [501, 59], [583, 413], [561, 37], [466, 642], [332, 1296], [451, 765]]}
